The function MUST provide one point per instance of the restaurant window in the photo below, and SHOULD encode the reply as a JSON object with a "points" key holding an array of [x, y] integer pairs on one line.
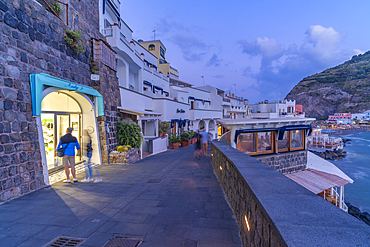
{"points": [[283, 145], [255, 143], [264, 142], [296, 139], [246, 143]]}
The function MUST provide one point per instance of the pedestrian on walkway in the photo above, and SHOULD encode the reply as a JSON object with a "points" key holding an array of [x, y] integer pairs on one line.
{"points": [[88, 164], [204, 141], [198, 148], [68, 143]]}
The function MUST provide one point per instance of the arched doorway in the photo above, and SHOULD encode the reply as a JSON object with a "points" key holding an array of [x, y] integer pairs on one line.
{"points": [[202, 125], [61, 109], [58, 112]]}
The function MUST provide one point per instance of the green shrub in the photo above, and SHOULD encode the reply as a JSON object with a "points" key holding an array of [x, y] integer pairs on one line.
{"points": [[94, 68], [163, 127], [184, 136], [74, 40], [128, 133], [56, 7], [174, 138]]}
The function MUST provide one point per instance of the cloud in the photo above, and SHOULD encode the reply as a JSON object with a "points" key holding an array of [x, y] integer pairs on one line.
{"points": [[247, 71], [219, 76], [191, 46], [214, 61], [283, 67], [269, 49], [163, 26]]}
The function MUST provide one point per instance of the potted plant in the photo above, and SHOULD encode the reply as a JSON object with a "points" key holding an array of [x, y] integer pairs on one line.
{"points": [[184, 138], [163, 128], [191, 136], [175, 140]]}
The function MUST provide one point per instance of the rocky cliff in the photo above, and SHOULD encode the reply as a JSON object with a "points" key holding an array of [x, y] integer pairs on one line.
{"points": [[344, 88]]}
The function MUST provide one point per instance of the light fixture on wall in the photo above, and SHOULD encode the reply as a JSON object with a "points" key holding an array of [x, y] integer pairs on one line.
{"points": [[247, 223]]}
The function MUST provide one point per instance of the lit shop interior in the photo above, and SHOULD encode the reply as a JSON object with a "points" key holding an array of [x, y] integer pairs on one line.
{"points": [[62, 109]]}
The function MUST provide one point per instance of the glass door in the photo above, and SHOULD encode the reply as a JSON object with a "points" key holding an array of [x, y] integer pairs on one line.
{"points": [[75, 124], [48, 130], [62, 125]]}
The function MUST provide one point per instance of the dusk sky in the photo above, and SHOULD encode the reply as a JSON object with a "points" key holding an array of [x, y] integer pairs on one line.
{"points": [[264, 47]]}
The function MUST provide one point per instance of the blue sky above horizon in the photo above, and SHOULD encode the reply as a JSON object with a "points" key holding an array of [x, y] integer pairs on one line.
{"points": [[264, 47]]}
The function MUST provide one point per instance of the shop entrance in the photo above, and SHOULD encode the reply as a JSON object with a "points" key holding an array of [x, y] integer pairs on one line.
{"points": [[58, 112]]}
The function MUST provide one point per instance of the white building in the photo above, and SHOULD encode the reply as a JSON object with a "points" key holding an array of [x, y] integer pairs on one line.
{"points": [[359, 116], [148, 95], [275, 109], [235, 107]]}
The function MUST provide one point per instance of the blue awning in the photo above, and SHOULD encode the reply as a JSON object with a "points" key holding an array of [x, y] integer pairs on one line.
{"points": [[174, 121], [39, 81], [156, 87], [293, 127], [190, 98], [167, 93], [147, 83]]}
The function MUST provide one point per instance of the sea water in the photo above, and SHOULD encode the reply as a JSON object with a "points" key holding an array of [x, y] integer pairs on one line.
{"points": [[357, 166]]}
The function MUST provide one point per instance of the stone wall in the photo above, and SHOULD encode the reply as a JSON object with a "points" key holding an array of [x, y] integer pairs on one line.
{"points": [[243, 202], [279, 211], [286, 162], [128, 157], [32, 42]]}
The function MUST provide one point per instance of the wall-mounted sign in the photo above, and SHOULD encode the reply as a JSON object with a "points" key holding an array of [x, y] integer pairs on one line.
{"points": [[95, 77], [180, 110]]}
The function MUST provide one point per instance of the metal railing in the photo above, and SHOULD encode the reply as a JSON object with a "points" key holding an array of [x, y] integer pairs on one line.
{"points": [[107, 32]]}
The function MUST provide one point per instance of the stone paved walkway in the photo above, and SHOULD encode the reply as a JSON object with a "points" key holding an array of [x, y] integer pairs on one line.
{"points": [[168, 199]]}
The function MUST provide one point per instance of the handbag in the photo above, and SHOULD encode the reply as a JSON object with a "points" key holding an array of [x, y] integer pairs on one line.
{"points": [[61, 151]]}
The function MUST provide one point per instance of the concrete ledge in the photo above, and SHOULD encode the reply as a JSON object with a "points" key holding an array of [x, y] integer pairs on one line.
{"points": [[280, 212]]}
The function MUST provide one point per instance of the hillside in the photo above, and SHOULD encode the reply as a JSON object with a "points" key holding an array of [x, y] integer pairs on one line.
{"points": [[344, 88]]}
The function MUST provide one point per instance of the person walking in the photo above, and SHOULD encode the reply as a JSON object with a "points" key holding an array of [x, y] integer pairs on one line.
{"points": [[198, 148], [89, 164], [68, 143], [204, 141]]}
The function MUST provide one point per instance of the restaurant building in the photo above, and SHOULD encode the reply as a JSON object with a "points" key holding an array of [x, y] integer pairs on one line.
{"points": [[281, 144]]}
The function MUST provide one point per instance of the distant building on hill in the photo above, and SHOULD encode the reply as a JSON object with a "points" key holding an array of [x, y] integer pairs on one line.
{"points": [[359, 116], [341, 118]]}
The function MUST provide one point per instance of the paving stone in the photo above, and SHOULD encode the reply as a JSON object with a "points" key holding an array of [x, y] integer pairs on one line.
{"points": [[121, 205], [12, 241], [34, 242], [52, 232], [23, 230]]}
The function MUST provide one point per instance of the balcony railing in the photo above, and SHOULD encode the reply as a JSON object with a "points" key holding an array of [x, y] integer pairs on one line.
{"points": [[107, 32], [226, 100]]}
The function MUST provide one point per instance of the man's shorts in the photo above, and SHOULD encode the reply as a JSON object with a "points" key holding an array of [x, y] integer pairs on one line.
{"points": [[68, 159]]}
